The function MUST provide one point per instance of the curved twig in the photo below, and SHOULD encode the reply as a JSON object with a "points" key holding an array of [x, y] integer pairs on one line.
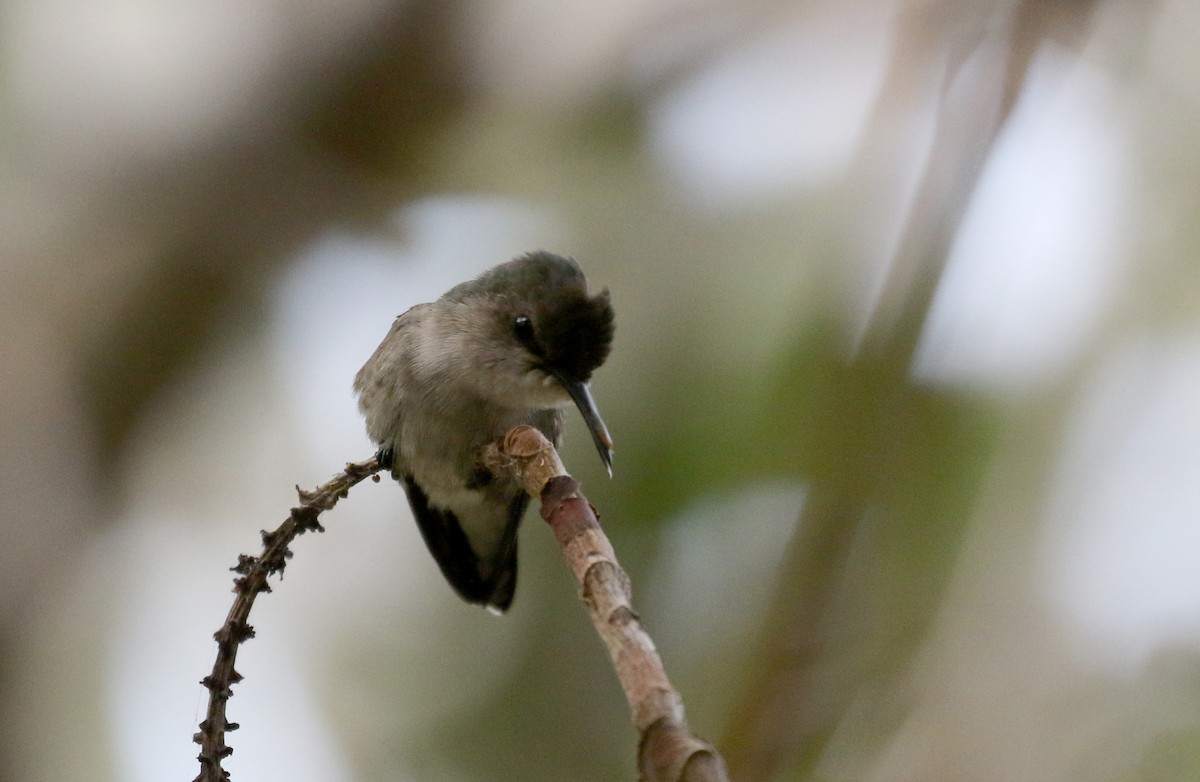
{"points": [[667, 750], [251, 580]]}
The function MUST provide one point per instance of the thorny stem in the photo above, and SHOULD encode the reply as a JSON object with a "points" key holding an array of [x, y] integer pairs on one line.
{"points": [[252, 579]]}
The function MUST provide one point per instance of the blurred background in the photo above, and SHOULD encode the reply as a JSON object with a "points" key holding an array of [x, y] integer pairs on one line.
{"points": [[903, 390]]}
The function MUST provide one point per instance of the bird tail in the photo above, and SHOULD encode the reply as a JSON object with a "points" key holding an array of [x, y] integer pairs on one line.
{"points": [[489, 580]]}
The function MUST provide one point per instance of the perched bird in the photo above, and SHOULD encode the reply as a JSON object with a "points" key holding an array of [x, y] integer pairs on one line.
{"points": [[516, 345]]}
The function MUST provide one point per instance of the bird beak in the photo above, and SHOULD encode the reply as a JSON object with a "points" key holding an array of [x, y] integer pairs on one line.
{"points": [[582, 395]]}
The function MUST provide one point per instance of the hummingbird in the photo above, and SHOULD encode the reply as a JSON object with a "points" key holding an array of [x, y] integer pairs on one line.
{"points": [[516, 345]]}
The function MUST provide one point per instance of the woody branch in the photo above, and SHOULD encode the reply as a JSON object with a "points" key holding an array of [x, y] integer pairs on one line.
{"points": [[667, 750]]}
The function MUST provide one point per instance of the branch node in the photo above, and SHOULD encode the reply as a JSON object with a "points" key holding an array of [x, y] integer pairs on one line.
{"points": [[245, 564], [668, 751]]}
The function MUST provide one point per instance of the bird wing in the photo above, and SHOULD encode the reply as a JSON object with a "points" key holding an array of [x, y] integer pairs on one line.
{"points": [[378, 383]]}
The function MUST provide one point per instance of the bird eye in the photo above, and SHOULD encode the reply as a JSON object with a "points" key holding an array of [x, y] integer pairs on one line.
{"points": [[523, 328]]}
